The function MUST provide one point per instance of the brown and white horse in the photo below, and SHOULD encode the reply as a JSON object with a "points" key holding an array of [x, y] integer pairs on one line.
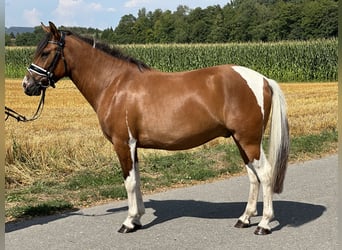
{"points": [[140, 107]]}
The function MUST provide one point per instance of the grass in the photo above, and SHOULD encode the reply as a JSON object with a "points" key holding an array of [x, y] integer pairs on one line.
{"points": [[314, 145], [42, 209], [62, 161]]}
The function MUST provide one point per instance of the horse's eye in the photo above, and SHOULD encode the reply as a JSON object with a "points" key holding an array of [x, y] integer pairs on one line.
{"points": [[45, 54]]}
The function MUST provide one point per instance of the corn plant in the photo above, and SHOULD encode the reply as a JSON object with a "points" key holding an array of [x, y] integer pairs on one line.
{"points": [[297, 61]]}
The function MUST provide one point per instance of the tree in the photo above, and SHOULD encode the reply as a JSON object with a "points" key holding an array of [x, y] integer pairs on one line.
{"points": [[142, 28], [217, 31], [248, 21], [108, 35], [8, 40], [319, 19], [182, 26], [164, 28], [124, 32], [200, 27]]}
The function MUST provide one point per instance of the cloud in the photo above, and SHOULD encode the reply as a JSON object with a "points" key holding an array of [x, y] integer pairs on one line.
{"points": [[67, 10], [32, 17], [111, 10], [95, 6], [135, 3], [71, 12]]}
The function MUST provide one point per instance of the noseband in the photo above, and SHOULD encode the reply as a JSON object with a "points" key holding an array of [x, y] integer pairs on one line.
{"points": [[34, 68]]}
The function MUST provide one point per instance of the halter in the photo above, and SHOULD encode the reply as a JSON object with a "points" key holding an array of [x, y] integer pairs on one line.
{"points": [[34, 68]]}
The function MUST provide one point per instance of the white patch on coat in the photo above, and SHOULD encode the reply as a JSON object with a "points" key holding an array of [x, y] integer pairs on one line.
{"points": [[255, 81], [131, 141]]}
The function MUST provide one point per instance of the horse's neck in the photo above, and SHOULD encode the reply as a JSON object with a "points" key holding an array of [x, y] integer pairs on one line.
{"points": [[92, 71]]}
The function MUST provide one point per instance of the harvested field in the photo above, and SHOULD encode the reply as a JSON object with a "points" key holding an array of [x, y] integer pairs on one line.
{"points": [[68, 128]]}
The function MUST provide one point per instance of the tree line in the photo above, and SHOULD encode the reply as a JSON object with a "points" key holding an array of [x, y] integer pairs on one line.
{"points": [[237, 21]]}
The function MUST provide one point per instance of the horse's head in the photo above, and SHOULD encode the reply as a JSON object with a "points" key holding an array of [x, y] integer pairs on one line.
{"points": [[49, 63]]}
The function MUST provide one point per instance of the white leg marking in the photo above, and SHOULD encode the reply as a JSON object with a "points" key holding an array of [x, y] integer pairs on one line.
{"points": [[255, 81], [265, 173], [251, 209], [132, 184], [259, 169], [135, 202]]}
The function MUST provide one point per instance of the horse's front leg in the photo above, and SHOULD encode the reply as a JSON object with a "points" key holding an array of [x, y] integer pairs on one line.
{"points": [[127, 154]]}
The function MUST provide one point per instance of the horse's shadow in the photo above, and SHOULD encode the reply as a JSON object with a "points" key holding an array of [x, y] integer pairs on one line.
{"points": [[288, 213]]}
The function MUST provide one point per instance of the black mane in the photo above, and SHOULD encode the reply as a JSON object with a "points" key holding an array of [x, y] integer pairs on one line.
{"points": [[113, 51]]}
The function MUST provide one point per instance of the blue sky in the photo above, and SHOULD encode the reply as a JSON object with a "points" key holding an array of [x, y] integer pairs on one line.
{"points": [[100, 14]]}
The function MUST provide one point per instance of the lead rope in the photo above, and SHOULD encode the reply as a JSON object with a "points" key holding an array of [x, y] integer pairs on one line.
{"points": [[20, 118]]}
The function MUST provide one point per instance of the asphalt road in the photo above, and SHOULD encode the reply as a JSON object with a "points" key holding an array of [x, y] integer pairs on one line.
{"points": [[200, 217]]}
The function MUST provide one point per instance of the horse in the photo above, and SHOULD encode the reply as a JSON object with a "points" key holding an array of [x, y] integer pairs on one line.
{"points": [[140, 107]]}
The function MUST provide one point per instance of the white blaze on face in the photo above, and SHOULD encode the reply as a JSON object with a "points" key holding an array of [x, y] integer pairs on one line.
{"points": [[24, 82], [255, 81]]}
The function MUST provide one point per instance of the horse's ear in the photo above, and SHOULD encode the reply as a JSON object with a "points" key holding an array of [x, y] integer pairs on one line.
{"points": [[54, 31], [45, 28]]}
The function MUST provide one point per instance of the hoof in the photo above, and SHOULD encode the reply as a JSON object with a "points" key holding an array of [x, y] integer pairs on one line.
{"points": [[124, 229], [262, 231], [240, 224]]}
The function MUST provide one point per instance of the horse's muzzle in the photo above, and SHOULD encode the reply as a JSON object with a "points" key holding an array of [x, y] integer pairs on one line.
{"points": [[31, 88]]}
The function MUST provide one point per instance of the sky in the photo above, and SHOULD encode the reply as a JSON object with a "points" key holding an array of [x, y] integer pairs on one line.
{"points": [[99, 14]]}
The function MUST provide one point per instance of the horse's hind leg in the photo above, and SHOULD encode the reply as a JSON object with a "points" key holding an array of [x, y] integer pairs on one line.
{"points": [[251, 210], [264, 172], [259, 171], [129, 163]]}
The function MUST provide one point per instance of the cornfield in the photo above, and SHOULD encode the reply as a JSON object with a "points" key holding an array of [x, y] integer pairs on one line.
{"points": [[297, 61]]}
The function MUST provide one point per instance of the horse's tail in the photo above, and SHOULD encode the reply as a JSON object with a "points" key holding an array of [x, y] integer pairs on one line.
{"points": [[279, 138]]}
